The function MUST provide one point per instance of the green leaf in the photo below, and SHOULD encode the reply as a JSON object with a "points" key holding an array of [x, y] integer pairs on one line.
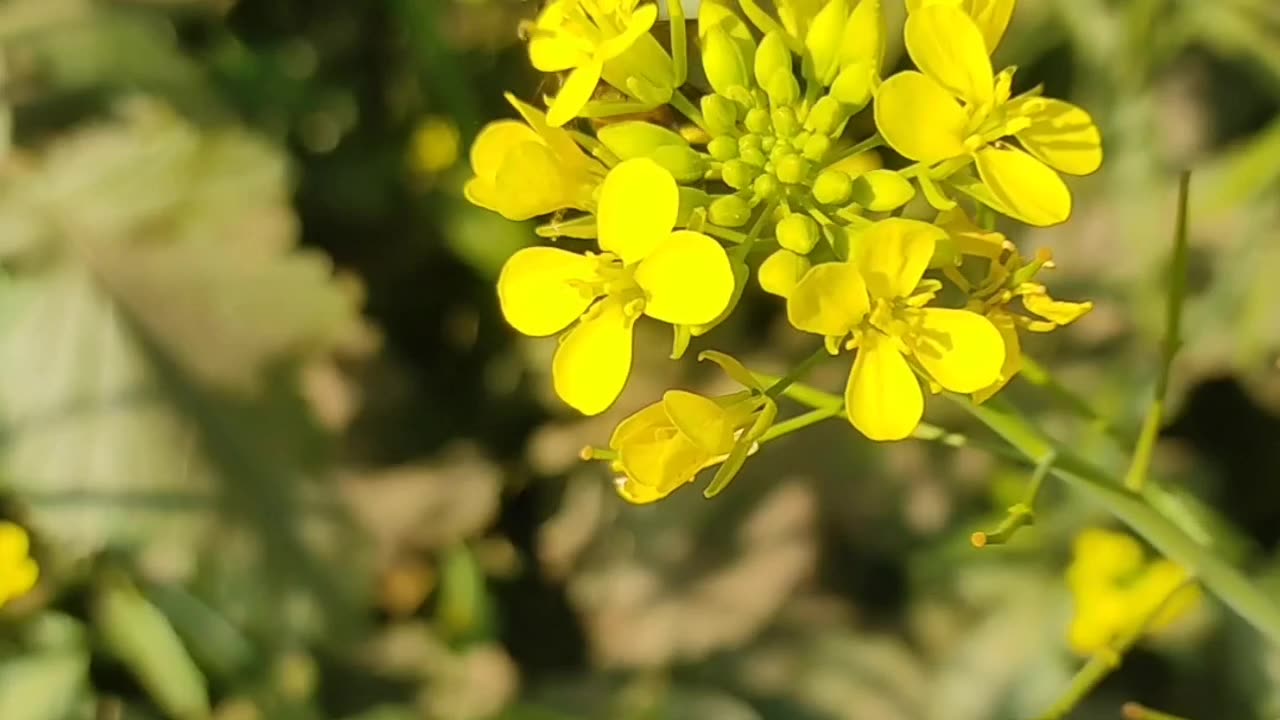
{"points": [[43, 686]]}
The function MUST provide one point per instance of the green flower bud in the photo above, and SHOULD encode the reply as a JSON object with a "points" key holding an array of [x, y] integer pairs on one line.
{"points": [[832, 187], [754, 157], [863, 40], [750, 142], [738, 175], [771, 57], [781, 272], [766, 186], [720, 114], [759, 98], [634, 138], [724, 60], [882, 190], [779, 151], [798, 233], [723, 148], [823, 39], [816, 147], [742, 97], [758, 121], [802, 137], [784, 122], [729, 211], [792, 169], [768, 143], [782, 89], [853, 86], [827, 116], [684, 163]]}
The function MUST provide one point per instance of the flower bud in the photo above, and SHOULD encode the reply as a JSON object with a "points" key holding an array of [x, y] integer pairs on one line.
{"points": [[832, 187], [684, 163], [882, 190], [634, 138], [723, 148], [782, 88], [765, 186], [863, 39], [767, 143], [816, 147], [749, 142], [724, 61], [792, 169], [738, 175], [720, 114], [784, 122], [852, 86], [827, 115], [771, 57], [822, 41], [729, 211], [758, 121], [781, 271], [798, 233], [752, 156]]}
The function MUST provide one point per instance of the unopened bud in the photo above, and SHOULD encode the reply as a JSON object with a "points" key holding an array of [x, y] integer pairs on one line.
{"points": [[723, 148], [771, 57], [822, 41], [720, 114], [766, 186], [816, 147], [752, 156], [792, 169], [784, 122], [826, 116], [852, 87], [782, 88], [738, 175], [684, 163], [723, 60], [798, 233], [882, 190], [634, 138], [781, 272], [832, 187], [729, 211], [758, 121]]}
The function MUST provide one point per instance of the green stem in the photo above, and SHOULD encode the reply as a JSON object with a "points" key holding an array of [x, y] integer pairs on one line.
{"points": [[800, 422], [685, 106], [1136, 477], [1104, 661], [870, 143], [1021, 514], [780, 385], [1215, 574]]}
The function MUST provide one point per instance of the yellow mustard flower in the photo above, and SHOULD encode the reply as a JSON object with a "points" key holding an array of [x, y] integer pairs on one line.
{"points": [[1007, 284], [681, 277], [1115, 588], [991, 16], [597, 39], [18, 571], [526, 169], [876, 301], [955, 109], [664, 446]]}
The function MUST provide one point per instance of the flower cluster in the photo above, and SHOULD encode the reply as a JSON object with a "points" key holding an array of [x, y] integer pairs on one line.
{"points": [[674, 203], [1117, 590]]}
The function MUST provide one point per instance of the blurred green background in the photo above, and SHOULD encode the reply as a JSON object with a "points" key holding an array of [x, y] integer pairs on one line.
{"points": [[281, 457]]}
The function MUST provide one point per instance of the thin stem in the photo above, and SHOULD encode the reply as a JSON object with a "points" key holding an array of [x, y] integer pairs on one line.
{"points": [[800, 422], [796, 373], [1020, 514], [1136, 477], [685, 106], [1137, 711], [1104, 661], [1038, 375], [1216, 575], [870, 143]]}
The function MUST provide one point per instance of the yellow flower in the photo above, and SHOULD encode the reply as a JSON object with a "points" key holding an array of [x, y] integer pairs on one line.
{"points": [[18, 572], [597, 39], [681, 277], [435, 144], [665, 445], [877, 301], [956, 110], [991, 16], [525, 169], [1115, 588]]}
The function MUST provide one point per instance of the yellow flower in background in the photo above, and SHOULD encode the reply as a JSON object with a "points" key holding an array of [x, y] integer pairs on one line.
{"points": [[18, 571], [665, 445], [435, 145], [681, 277], [1115, 589], [526, 169], [876, 301], [991, 16], [596, 39], [955, 108]]}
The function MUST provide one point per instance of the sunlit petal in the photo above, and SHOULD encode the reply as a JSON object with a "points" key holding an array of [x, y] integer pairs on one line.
{"points": [[961, 350], [947, 45], [1059, 312], [894, 253], [591, 365], [540, 289], [639, 24], [831, 299], [702, 420], [639, 201], [1061, 135], [687, 278], [1012, 356], [575, 93], [920, 119], [493, 143], [883, 397], [559, 139], [1027, 189]]}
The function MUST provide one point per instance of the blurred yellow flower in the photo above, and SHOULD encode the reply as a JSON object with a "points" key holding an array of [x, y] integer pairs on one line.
{"points": [[876, 300], [596, 39], [435, 145], [955, 109], [665, 445], [681, 277], [1116, 589], [525, 169], [18, 571]]}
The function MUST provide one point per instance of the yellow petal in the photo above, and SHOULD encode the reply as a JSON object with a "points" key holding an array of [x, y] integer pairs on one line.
{"points": [[553, 47], [700, 419], [883, 397], [992, 17], [894, 253], [1100, 555], [660, 466], [638, 205], [641, 426], [493, 143], [687, 279], [539, 291], [947, 46], [920, 119], [961, 350], [830, 300], [1012, 356], [14, 544], [1027, 188], [591, 365], [1061, 135], [1060, 312], [637, 24], [531, 182], [557, 138], [575, 93]]}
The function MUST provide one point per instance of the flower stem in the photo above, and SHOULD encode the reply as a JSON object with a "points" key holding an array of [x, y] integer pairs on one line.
{"points": [[1021, 514], [796, 373], [1136, 477], [685, 106], [800, 422], [870, 143]]}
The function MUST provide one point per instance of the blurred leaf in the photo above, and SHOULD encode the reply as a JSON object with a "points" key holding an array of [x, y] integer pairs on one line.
{"points": [[43, 686], [464, 607], [139, 635], [214, 642]]}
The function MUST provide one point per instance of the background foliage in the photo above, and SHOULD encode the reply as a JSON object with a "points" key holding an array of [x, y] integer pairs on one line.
{"points": [[282, 459]]}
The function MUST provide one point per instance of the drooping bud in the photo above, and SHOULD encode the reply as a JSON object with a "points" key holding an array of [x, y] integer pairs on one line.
{"points": [[729, 211], [798, 233], [882, 190], [781, 271], [832, 187]]}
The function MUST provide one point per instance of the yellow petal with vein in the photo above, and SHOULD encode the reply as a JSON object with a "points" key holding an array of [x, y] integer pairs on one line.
{"points": [[961, 350], [1028, 189], [700, 419], [883, 397], [894, 253], [919, 118], [591, 365], [538, 291], [687, 279], [639, 201], [1061, 135], [830, 300], [947, 46]]}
